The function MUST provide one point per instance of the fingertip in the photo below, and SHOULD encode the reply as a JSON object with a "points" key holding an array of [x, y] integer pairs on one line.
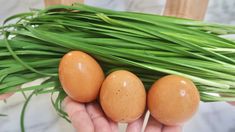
{"points": [[5, 96], [71, 106], [232, 103], [153, 125], [65, 101], [78, 115], [98, 118], [113, 125], [94, 109], [135, 126], [172, 129]]}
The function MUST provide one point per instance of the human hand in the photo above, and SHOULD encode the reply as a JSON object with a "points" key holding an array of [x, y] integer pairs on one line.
{"points": [[90, 118], [232, 103], [155, 126], [4, 96]]}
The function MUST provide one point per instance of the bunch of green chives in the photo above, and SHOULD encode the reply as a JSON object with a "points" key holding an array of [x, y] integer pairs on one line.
{"points": [[149, 45]]}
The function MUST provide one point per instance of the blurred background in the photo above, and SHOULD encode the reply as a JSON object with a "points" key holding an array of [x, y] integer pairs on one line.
{"points": [[41, 116]]}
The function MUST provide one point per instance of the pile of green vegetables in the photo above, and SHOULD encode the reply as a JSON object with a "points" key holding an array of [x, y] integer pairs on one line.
{"points": [[150, 46]]}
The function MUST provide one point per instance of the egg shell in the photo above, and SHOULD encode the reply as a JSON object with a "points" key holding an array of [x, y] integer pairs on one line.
{"points": [[173, 100], [81, 76], [123, 96]]}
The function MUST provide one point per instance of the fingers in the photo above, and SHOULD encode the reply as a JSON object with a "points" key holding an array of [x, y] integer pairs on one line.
{"points": [[101, 124], [153, 125], [172, 129], [4, 96], [91, 118], [88, 118], [135, 126], [78, 116], [232, 103], [113, 125]]}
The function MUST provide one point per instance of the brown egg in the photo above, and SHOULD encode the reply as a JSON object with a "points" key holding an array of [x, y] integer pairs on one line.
{"points": [[122, 96], [81, 76], [172, 100]]}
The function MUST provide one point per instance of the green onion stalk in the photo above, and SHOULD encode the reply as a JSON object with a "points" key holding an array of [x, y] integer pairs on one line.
{"points": [[150, 46]]}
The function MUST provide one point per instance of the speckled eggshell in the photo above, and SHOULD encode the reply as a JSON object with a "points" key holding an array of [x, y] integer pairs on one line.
{"points": [[81, 76], [173, 100], [123, 96]]}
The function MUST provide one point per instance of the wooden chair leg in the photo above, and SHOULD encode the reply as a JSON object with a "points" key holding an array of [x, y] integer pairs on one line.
{"points": [[61, 2], [194, 9]]}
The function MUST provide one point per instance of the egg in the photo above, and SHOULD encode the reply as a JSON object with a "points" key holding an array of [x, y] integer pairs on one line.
{"points": [[81, 76], [123, 96], [173, 100]]}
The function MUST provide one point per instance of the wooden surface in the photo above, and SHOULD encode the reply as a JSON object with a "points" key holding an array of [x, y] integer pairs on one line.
{"points": [[61, 2], [194, 9]]}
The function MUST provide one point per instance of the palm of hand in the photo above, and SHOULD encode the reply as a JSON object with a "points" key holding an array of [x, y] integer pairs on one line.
{"points": [[90, 118]]}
